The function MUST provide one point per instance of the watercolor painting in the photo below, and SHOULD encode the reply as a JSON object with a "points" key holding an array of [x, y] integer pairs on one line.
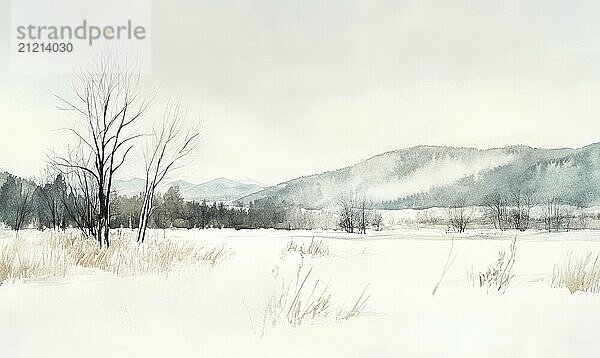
{"points": [[299, 179]]}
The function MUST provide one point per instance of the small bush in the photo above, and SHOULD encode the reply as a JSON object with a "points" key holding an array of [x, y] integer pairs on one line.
{"points": [[498, 276]]}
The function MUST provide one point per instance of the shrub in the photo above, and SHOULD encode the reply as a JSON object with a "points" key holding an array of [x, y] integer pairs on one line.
{"points": [[499, 275]]}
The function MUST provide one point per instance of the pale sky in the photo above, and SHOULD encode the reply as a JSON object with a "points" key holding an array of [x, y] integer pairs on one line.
{"points": [[290, 88]]}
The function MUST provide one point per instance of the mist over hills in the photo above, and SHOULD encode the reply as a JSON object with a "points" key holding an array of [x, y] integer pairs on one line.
{"points": [[220, 189], [428, 176]]}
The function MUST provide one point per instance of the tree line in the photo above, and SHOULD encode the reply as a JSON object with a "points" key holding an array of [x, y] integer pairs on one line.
{"points": [[54, 204], [514, 210], [171, 210]]}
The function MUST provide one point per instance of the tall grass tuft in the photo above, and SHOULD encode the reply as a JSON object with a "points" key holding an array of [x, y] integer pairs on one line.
{"points": [[578, 274], [306, 299], [316, 248]]}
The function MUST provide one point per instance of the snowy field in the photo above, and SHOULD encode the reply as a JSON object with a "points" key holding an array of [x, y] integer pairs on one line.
{"points": [[219, 311]]}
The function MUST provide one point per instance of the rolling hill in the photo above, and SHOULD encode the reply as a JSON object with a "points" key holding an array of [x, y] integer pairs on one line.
{"points": [[428, 176]]}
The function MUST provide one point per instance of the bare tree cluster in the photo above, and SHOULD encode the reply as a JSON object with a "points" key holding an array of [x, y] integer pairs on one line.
{"points": [[357, 214], [515, 211], [497, 206], [459, 216], [109, 104], [556, 214], [583, 220], [347, 215], [510, 211], [376, 220], [425, 218], [520, 211], [108, 101]]}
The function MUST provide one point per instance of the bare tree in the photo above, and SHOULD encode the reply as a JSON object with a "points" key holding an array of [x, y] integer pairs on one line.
{"points": [[24, 207], [554, 213], [583, 220], [166, 150], [459, 216], [568, 217], [108, 101], [498, 207], [347, 215], [519, 213], [363, 213], [377, 220], [79, 197], [49, 193]]}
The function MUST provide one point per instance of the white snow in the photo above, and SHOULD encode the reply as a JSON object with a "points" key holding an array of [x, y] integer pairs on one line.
{"points": [[212, 312]]}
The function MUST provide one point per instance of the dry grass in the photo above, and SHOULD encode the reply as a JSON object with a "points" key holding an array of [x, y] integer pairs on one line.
{"points": [[580, 274], [499, 275], [316, 248], [22, 259], [358, 307], [306, 299], [57, 253]]}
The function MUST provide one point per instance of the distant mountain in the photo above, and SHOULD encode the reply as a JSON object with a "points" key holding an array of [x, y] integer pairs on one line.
{"points": [[220, 189], [252, 181], [130, 187], [427, 176]]}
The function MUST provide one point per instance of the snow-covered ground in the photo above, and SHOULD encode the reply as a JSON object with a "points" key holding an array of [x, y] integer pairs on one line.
{"points": [[218, 311]]}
